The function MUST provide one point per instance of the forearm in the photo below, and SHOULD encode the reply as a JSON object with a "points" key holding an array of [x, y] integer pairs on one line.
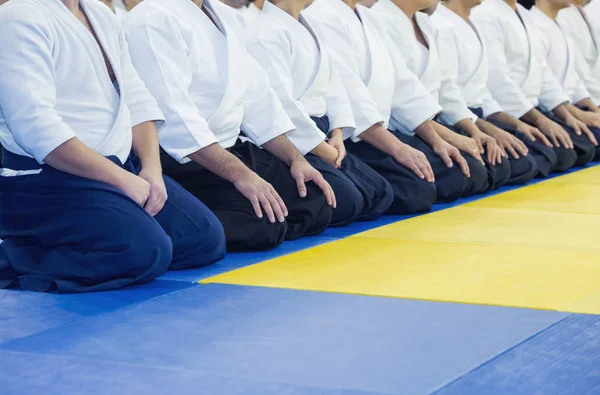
{"points": [[221, 162], [145, 145], [467, 126], [562, 112], [428, 131], [505, 118], [382, 139], [444, 133], [484, 126], [588, 104], [76, 158], [283, 148], [534, 117]]}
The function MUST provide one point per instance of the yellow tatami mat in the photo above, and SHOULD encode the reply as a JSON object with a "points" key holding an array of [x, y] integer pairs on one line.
{"points": [[504, 250]]}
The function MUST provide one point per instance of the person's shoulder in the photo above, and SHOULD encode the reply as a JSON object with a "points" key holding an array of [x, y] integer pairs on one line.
{"points": [[17, 16]]}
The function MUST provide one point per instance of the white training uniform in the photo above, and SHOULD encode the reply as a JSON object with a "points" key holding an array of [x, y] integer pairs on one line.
{"points": [[380, 86], [423, 62], [575, 23], [463, 52], [206, 84], [559, 54], [593, 10], [298, 66], [59, 87], [519, 77]]}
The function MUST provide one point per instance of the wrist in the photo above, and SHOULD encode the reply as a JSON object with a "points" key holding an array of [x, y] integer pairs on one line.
{"points": [[336, 133]]}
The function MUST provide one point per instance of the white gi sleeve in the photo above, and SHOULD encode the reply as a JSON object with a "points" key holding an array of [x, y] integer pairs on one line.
{"points": [[412, 104], [505, 90], [339, 109], [342, 54], [142, 106], [159, 55], [28, 86], [264, 115], [272, 52], [552, 94], [454, 107]]}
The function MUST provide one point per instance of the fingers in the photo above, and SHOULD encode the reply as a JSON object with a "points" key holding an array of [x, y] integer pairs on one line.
{"points": [[512, 151], [462, 163], [446, 159], [498, 155], [577, 129], [530, 136], [327, 190], [277, 209], [302, 187], [256, 206], [425, 167], [521, 147], [480, 146], [567, 138], [280, 202], [475, 154], [340, 157], [155, 203], [266, 205], [415, 169], [555, 141], [540, 136]]}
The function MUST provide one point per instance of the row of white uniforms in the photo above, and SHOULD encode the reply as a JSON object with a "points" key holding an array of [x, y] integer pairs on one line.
{"points": [[576, 23], [291, 54], [382, 91], [562, 58], [212, 92], [63, 232], [424, 62], [465, 57], [520, 78]]}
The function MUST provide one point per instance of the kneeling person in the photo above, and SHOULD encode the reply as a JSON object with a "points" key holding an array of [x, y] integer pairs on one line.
{"points": [[289, 50], [193, 60], [77, 211]]}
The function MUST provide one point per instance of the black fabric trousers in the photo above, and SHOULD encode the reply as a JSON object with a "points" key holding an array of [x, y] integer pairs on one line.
{"points": [[244, 231], [495, 176], [596, 132], [583, 152], [362, 193], [450, 182], [546, 159], [522, 170]]}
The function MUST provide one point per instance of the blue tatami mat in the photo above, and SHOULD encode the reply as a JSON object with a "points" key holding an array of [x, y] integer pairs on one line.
{"points": [[274, 339], [26, 313], [562, 360], [25, 374]]}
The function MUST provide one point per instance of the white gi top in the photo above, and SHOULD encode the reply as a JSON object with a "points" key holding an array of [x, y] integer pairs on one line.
{"points": [[246, 15], [593, 10], [300, 73], [121, 14], [519, 79], [461, 49], [402, 38], [205, 82], [55, 83], [560, 55], [587, 60], [381, 90]]}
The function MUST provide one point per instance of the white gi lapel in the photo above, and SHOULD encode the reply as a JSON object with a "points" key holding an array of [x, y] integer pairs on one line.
{"points": [[319, 84], [534, 71], [95, 53], [227, 114], [432, 76]]}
